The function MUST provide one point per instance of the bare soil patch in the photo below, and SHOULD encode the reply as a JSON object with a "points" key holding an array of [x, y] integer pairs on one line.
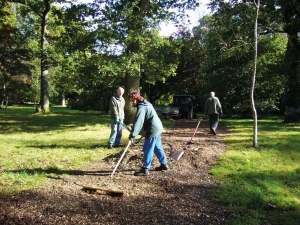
{"points": [[181, 195]]}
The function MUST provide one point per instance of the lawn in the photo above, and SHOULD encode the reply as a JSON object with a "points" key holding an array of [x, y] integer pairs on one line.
{"points": [[36, 145], [261, 184]]}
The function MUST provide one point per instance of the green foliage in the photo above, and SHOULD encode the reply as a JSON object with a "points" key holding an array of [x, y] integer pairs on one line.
{"points": [[260, 185], [160, 57], [277, 17], [190, 71], [87, 43], [94, 47], [175, 65], [14, 55], [229, 44]]}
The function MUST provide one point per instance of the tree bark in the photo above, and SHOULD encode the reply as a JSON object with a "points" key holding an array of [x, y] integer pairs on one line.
{"points": [[132, 81], [254, 112], [293, 73], [44, 101]]}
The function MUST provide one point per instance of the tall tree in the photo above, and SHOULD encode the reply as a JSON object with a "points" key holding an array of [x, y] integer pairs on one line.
{"points": [[44, 101], [254, 112], [42, 9], [14, 57], [229, 46], [290, 10], [282, 16], [131, 18]]}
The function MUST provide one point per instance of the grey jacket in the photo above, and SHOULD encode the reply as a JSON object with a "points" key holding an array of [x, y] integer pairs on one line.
{"points": [[117, 107], [212, 106]]}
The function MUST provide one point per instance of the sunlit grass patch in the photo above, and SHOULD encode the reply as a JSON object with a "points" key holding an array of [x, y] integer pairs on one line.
{"points": [[37, 145], [255, 182]]}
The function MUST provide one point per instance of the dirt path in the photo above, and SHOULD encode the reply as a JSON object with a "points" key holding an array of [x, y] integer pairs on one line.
{"points": [[181, 195]]}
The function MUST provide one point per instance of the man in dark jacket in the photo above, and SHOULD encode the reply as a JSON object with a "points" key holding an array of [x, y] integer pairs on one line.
{"points": [[146, 121], [213, 108], [116, 104]]}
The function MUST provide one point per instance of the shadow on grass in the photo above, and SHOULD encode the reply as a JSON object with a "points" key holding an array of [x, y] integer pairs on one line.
{"points": [[261, 194], [19, 120], [67, 172], [78, 146]]}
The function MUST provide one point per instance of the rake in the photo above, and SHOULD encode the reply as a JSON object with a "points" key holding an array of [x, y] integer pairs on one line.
{"points": [[178, 153]]}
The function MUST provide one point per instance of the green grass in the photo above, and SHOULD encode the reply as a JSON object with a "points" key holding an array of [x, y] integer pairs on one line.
{"points": [[263, 184], [35, 146], [257, 185]]}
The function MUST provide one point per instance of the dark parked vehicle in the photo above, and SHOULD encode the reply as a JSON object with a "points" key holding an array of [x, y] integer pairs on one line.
{"points": [[179, 107]]}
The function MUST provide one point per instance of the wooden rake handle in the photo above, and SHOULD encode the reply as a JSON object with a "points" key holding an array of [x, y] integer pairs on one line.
{"points": [[104, 190], [129, 143], [196, 129]]}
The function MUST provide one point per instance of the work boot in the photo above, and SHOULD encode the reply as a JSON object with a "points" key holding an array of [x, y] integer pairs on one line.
{"points": [[109, 146], [214, 131], [161, 167], [142, 172]]}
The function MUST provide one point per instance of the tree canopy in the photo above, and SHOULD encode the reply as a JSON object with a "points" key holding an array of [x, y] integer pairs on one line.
{"points": [[279, 23], [80, 53]]}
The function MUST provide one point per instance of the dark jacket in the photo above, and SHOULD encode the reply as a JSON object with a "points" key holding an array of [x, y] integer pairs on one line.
{"points": [[212, 106], [146, 121]]}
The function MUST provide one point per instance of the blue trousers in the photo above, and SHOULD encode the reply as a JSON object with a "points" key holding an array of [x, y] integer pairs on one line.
{"points": [[116, 132], [213, 121], [153, 145]]}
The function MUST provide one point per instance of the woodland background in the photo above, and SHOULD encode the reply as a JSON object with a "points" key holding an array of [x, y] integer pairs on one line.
{"points": [[67, 53]]}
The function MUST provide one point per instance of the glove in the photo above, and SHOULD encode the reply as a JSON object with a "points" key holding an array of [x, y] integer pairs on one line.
{"points": [[117, 119], [131, 138]]}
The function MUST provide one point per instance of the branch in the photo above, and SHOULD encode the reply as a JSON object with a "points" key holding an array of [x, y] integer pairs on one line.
{"points": [[224, 48], [271, 31], [17, 1]]}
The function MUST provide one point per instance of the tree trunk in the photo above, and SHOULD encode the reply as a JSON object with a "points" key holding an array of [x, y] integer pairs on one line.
{"points": [[132, 82], [63, 102], [44, 100], [2, 97], [254, 112], [293, 73]]}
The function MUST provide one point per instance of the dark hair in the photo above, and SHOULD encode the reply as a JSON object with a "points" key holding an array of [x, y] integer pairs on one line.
{"points": [[136, 96]]}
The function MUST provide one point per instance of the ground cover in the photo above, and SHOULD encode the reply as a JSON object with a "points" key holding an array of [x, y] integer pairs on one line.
{"points": [[45, 160], [181, 195]]}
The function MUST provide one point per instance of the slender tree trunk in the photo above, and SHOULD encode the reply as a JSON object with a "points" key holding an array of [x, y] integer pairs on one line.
{"points": [[254, 113], [63, 102], [44, 100], [2, 97], [6, 102]]}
